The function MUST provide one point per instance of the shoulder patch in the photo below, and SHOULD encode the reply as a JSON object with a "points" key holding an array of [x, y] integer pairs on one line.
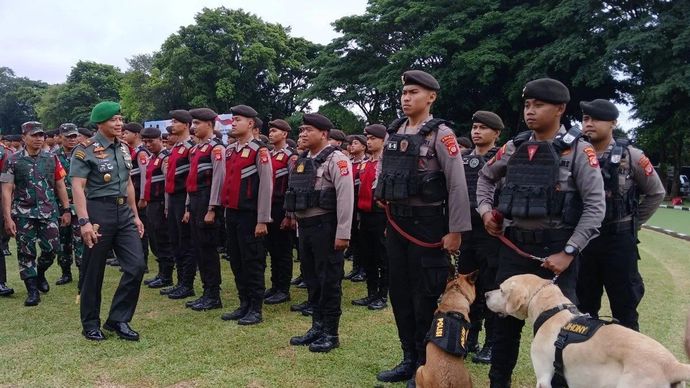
{"points": [[646, 165], [217, 153], [591, 156], [264, 157], [342, 165], [80, 154], [451, 144], [143, 158]]}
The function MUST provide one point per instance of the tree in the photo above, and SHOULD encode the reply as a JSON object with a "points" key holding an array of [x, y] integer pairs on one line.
{"points": [[342, 118], [18, 98]]}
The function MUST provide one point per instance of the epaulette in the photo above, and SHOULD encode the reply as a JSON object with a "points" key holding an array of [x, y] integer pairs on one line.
{"points": [[88, 142]]}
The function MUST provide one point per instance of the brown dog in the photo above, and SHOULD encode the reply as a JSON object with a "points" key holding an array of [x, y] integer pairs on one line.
{"points": [[442, 369]]}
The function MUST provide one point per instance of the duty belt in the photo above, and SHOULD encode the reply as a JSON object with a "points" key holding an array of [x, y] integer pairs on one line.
{"points": [[417, 211], [113, 199], [545, 236]]}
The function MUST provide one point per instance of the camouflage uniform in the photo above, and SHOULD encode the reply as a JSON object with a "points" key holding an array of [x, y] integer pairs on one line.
{"points": [[34, 208], [70, 235]]}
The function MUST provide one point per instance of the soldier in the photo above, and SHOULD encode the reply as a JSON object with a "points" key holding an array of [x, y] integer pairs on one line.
{"points": [[83, 134], [4, 290], [131, 134], [176, 172], [321, 193], [30, 180], [70, 235], [553, 196], [479, 250], [421, 176], [633, 193], [15, 142], [372, 219], [50, 146], [104, 199], [204, 183], [357, 146], [153, 201], [247, 193], [279, 242]]}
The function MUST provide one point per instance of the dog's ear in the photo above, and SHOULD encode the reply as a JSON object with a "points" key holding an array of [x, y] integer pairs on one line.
{"points": [[516, 298], [472, 277]]}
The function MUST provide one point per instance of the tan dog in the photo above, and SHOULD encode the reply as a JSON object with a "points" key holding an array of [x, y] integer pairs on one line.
{"points": [[614, 356], [442, 369]]}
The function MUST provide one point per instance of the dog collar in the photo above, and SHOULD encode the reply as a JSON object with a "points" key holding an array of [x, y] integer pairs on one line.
{"points": [[546, 315]]}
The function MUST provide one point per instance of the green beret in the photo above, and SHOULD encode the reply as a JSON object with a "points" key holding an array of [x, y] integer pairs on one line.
{"points": [[600, 109], [133, 127], [337, 134], [151, 133], [85, 132], [376, 130], [318, 121], [243, 110], [181, 115], [280, 124], [203, 114], [547, 90], [31, 127], [490, 119], [68, 129], [104, 111], [421, 78]]}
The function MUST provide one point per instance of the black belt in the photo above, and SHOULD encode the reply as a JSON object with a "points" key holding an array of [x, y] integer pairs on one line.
{"points": [[317, 220], [417, 211], [115, 200], [616, 227], [544, 236]]}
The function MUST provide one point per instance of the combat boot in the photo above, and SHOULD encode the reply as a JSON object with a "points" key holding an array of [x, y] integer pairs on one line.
{"points": [[151, 280], [329, 339], [253, 315], [4, 290], [401, 372], [211, 301], [41, 281], [182, 293], [238, 312], [66, 276], [314, 333], [33, 297], [201, 299], [364, 301], [378, 304], [484, 355], [170, 290]]}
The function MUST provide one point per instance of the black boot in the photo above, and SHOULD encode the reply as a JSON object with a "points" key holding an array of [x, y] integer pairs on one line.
{"points": [[201, 299], [297, 280], [211, 302], [300, 306], [360, 276], [483, 356], [278, 297], [33, 297], [160, 282], [314, 333], [66, 276], [401, 372], [237, 313], [170, 290], [329, 338], [42, 283], [153, 279], [378, 304], [4, 290], [364, 301], [253, 315], [182, 293]]}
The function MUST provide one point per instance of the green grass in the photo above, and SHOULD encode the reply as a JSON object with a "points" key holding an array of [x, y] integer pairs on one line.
{"points": [[43, 347], [676, 220]]}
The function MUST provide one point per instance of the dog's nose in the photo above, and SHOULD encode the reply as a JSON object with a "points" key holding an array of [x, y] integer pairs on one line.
{"points": [[487, 294]]}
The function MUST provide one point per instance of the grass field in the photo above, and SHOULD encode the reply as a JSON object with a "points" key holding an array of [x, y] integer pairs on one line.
{"points": [[676, 220], [43, 347]]}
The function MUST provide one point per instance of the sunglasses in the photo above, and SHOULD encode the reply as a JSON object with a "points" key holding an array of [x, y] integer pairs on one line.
{"points": [[74, 136]]}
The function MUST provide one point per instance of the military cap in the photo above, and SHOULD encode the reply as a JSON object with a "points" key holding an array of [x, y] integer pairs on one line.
{"points": [[68, 129], [280, 124], [13, 137], [317, 121], [151, 133], [376, 130], [85, 132], [490, 119], [600, 109], [203, 114], [337, 134], [291, 143], [258, 123], [104, 111], [181, 115], [243, 110], [52, 132], [133, 127], [31, 127], [360, 138], [547, 90], [420, 78]]}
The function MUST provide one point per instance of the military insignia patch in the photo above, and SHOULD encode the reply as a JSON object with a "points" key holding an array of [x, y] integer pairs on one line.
{"points": [[474, 163], [591, 156], [143, 159], [245, 153], [342, 165], [403, 145], [451, 144], [155, 162], [280, 156], [646, 165], [300, 168], [218, 153], [531, 151], [79, 154], [180, 150], [263, 156], [204, 148]]}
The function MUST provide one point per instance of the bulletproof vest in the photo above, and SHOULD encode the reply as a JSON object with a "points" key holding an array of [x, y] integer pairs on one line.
{"points": [[472, 164], [241, 187], [615, 169], [531, 187], [449, 332], [155, 180], [281, 172], [201, 166], [178, 168], [400, 177], [301, 193]]}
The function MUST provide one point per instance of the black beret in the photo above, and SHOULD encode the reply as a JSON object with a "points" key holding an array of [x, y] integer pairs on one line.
{"points": [[337, 134], [13, 137], [547, 90], [464, 142], [258, 123], [600, 109], [181, 115], [376, 130], [85, 132], [490, 119], [291, 143], [52, 132], [280, 124], [243, 110], [203, 114], [168, 129], [165, 135], [151, 133], [421, 78], [360, 138], [264, 139], [133, 127], [318, 121]]}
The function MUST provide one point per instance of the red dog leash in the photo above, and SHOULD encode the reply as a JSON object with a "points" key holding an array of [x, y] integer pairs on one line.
{"points": [[498, 217], [406, 235]]}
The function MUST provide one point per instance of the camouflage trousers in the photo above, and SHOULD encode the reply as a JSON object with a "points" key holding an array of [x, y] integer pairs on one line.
{"points": [[29, 232], [70, 244]]}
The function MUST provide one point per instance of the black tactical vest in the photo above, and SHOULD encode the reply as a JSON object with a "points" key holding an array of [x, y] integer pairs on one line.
{"points": [[531, 187], [472, 164], [301, 193], [400, 177], [615, 169]]}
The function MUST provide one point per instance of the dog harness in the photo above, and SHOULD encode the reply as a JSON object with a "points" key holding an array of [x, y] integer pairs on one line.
{"points": [[449, 332]]}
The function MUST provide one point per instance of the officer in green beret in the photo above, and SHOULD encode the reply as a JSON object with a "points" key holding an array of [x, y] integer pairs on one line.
{"points": [[104, 199]]}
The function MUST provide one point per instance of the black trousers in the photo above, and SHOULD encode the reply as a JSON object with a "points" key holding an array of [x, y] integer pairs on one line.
{"points": [[279, 245], [159, 238], [181, 239], [610, 261], [508, 330], [372, 252], [247, 254], [417, 276], [3, 269], [205, 238], [118, 233], [355, 245], [322, 266]]}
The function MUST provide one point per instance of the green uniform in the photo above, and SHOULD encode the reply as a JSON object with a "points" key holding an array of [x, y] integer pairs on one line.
{"points": [[70, 235]]}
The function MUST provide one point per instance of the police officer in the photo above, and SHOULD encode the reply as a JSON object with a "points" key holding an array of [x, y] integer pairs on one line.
{"points": [[153, 201], [336, 137], [204, 182], [357, 147], [246, 196], [104, 198], [279, 242], [372, 224], [31, 179], [553, 196], [633, 193], [70, 235], [422, 178], [479, 250], [321, 193], [131, 134], [176, 172]]}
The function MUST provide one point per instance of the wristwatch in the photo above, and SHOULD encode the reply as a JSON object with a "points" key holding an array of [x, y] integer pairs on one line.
{"points": [[571, 250], [83, 221]]}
